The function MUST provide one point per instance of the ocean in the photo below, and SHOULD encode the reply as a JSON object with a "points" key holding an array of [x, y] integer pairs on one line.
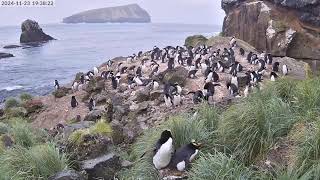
{"points": [[78, 48]]}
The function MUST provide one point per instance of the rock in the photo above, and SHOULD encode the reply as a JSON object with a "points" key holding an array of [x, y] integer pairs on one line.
{"points": [[95, 85], [117, 134], [131, 13], [195, 40], [142, 95], [1, 112], [100, 99], [31, 32], [283, 28], [6, 141], [67, 175], [33, 106], [6, 55], [103, 167], [155, 95], [63, 91], [142, 108], [11, 46], [95, 115], [178, 75]]}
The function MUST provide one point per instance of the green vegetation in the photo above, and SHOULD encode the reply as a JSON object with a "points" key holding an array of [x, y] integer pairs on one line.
{"points": [[25, 97], [195, 40], [23, 134], [38, 162], [11, 103]]}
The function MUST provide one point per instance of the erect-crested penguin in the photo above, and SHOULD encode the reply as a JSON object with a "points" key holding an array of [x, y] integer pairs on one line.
{"points": [[234, 80], [242, 52], [233, 89], [114, 82], [209, 89], [273, 76], [171, 64], [56, 85], [197, 96], [74, 102], [92, 104], [184, 156], [192, 73], [275, 67], [75, 86], [285, 70], [163, 150], [155, 85], [95, 71]]}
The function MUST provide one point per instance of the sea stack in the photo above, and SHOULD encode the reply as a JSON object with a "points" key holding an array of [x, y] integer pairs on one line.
{"points": [[32, 32], [131, 13]]}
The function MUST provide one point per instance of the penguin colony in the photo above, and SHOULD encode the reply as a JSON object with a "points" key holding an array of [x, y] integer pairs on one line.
{"points": [[204, 61]]}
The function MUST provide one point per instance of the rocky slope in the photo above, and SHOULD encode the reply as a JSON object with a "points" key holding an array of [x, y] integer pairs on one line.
{"points": [[283, 28], [32, 32], [132, 13]]}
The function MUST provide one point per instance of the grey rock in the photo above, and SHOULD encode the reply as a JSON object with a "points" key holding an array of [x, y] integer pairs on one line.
{"points": [[95, 115], [68, 175], [32, 32], [11, 46], [103, 167]]}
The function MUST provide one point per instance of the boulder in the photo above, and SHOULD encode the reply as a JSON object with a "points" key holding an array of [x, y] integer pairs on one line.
{"points": [[178, 75], [33, 105], [155, 95], [1, 112], [61, 92], [103, 167], [95, 115], [283, 28], [68, 175], [142, 95], [6, 141], [32, 32], [5, 55], [95, 85]]}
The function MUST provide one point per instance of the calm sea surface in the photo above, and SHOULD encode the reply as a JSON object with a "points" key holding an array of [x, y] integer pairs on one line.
{"points": [[80, 47]]}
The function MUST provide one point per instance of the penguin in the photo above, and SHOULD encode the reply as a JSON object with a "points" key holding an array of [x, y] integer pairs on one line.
{"points": [[197, 96], [275, 67], [168, 99], [220, 66], [176, 99], [189, 61], [56, 85], [247, 89], [183, 156], [215, 76], [269, 59], [204, 67], [74, 102], [95, 71], [192, 73], [178, 88], [233, 41], [92, 104], [155, 71], [163, 150], [209, 77], [234, 80], [273, 76], [114, 82], [139, 71], [209, 90], [138, 81], [233, 89], [249, 57], [285, 69], [242, 52], [82, 79], [155, 85], [75, 86], [131, 82], [171, 64]]}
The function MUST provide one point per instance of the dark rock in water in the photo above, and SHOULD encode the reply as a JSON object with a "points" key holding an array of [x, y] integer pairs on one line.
{"points": [[132, 13], [103, 167], [67, 175], [11, 46], [6, 55], [63, 91], [31, 32]]}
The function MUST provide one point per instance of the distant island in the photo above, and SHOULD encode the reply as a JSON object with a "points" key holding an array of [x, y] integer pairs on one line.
{"points": [[131, 13]]}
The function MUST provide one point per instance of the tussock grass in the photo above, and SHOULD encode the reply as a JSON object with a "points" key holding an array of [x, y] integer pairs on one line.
{"points": [[23, 134], [4, 128], [218, 166], [25, 97], [11, 103], [38, 162], [251, 127]]}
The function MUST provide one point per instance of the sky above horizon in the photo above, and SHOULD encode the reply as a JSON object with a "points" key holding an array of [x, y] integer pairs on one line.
{"points": [[161, 11]]}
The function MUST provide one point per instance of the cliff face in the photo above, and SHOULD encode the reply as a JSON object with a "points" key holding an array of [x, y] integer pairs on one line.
{"points": [[284, 28], [132, 13]]}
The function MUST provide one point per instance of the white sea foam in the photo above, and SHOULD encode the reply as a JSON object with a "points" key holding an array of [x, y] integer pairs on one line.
{"points": [[11, 88]]}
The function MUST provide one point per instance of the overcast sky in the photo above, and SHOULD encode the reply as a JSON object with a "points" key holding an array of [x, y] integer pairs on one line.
{"points": [[161, 11]]}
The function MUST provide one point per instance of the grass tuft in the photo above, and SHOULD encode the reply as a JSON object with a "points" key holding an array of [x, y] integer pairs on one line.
{"points": [[25, 97], [11, 103]]}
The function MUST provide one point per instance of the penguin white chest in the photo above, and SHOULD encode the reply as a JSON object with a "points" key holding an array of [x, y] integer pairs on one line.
{"points": [[163, 156], [176, 100], [234, 80]]}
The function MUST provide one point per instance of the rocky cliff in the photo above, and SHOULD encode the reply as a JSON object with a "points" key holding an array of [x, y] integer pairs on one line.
{"points": [[132, 13], [284, 28]]}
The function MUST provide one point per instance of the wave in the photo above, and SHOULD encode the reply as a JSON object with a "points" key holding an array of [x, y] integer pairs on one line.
{"points": [[11, 88]]}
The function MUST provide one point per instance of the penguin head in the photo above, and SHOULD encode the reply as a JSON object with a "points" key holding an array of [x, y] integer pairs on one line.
{"points": [[165, 135], [195, 144]]}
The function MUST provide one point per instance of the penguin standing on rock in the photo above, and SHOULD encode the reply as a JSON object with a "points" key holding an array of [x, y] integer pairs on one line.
{"points": [[275, 67], [233, 89], [285, 70], [74, 102], [95, 71], [114, 82], [184, 156], [163, 150], [56, 85], [273, 76], [198, 97], [92, 104]]}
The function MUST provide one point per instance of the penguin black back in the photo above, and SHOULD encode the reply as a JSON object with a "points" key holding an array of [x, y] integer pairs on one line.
{"points": [[74, 102]]}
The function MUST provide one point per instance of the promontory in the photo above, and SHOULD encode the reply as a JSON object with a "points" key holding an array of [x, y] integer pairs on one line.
{"points": [[131, 13]]}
